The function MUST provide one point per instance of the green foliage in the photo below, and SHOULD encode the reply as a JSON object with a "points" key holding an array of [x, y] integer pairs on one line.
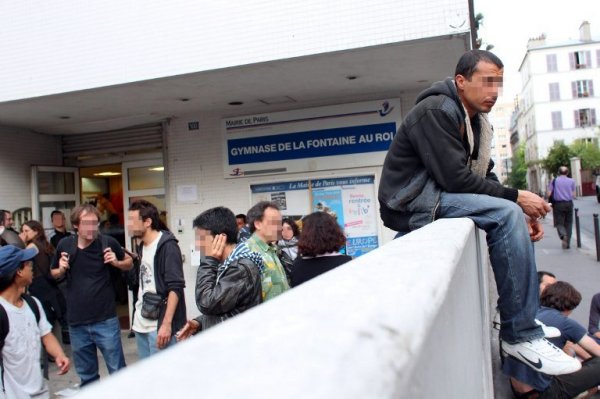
{"points": [[517, 178], [589, 154], [559, 155]]}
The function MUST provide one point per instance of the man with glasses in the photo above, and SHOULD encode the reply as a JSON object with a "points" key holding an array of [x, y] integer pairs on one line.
{"points": [[85, 259]]}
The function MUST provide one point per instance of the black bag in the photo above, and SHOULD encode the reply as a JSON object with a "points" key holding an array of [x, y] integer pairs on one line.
{"points": [[151, 305], [551, 196]]}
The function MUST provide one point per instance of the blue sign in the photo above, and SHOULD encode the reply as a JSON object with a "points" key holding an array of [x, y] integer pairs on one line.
{"points": [[357, 246], [317, 183], [311, 144]]}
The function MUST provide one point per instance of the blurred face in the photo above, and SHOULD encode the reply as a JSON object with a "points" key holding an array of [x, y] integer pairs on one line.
{"points": [[269, 228], [135, 225], [88, 226], [287, 232], [8, 220], [58, 221], [479, 94], [26, 273], [240, 223], [27, 234], [203, 239]]}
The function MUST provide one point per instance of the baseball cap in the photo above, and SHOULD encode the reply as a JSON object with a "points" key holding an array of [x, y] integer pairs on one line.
{"points": [[11, 258]]}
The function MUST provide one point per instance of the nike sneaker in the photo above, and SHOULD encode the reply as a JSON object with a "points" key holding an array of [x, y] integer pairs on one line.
{"points": [[541, 355], [549, 332]]}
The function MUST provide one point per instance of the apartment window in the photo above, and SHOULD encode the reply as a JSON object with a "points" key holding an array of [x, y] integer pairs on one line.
{"points": [[582, 88], [580, 59], [598, 58], [554, 91], [585, 117], [551, 63], [557, 120]]}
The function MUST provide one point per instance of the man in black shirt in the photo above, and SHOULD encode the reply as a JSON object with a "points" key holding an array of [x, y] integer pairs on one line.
{"points": [[86, 259], [60, 230]]}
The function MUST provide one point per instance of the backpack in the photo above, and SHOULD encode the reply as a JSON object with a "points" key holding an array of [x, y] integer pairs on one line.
{"points": [[70, 247], [4, 328]]}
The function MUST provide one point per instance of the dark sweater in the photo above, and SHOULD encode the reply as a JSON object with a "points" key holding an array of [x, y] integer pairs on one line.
{"points": [[306, 268]]}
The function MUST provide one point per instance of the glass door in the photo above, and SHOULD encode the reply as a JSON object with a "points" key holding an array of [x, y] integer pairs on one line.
{"points": [[53, 187], [145, 180]]}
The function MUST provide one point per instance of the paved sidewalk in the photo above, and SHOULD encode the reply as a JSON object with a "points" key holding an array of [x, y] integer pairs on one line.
{"points": [[577, 266]]}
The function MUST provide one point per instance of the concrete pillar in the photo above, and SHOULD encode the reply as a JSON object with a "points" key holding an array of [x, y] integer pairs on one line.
{"points": [[576, 174]]}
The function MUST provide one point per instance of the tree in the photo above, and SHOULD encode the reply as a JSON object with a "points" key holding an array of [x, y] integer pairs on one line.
{"points": [[517, 178], [559, 155], [588, 153]]}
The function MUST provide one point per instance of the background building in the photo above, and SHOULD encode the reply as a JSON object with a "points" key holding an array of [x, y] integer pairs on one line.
{"points": [[500, 118], [193, 104], [558, 101]]}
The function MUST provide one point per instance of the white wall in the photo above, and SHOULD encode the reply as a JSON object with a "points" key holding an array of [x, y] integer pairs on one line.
{"points": [[408, 320], [19, 150], [72, 45]]}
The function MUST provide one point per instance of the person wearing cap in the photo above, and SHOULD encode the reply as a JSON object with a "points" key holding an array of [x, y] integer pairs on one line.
{"points": [[22, 375]]}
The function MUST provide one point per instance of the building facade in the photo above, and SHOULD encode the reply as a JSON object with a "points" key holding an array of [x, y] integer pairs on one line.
{"points": [[559, 99], [192, 105]]}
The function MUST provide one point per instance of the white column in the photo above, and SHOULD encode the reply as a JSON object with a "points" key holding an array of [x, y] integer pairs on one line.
{"points": [[576, 174]]}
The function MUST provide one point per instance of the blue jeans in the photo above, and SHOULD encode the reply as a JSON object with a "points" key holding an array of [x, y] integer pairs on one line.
{"points": [[511, 256], [146, 343], [85, 339]]}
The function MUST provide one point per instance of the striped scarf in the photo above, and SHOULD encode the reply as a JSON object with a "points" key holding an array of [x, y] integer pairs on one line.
{"points": [[240, 252]]}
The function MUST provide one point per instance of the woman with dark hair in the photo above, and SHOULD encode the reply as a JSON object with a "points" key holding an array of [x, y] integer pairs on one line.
{"points": [[287, 247], [318, 247], [44, 286]]}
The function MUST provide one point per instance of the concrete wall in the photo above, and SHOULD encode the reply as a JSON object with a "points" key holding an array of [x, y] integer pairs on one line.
{"points": [[73, 45], [19, 150], [409, 319]]}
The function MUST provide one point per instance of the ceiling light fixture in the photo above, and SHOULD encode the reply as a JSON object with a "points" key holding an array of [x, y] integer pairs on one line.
{"points": [[107, 174], [157, 169]]}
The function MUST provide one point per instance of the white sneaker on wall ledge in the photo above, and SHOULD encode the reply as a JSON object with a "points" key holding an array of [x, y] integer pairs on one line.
{"points": [[549, 332], [541, 355]]}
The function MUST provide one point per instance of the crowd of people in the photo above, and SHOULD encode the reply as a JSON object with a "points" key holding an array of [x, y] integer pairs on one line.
{"points": [[438, 166], [242, 265]]}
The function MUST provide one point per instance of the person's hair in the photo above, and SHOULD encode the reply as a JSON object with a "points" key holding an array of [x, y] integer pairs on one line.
{"points": [[467, 64], [219, 220], [241, 216], [320, 234], [563, 170], [147, 210], [55, 212], [292, 224], [541, 274], [40, 241], [560, 296], [80, 210], [257, 212]]}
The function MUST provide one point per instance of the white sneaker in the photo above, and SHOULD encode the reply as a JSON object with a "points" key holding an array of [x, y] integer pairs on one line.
{"points": [[541, 355], [549, 332]]}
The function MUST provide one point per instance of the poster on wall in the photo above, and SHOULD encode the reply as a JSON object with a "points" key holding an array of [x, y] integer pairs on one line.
{"points": [[322, 138], [350, 200]]}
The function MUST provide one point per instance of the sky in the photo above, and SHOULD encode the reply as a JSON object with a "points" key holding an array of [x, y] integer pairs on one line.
{"points": [[508, 24]]}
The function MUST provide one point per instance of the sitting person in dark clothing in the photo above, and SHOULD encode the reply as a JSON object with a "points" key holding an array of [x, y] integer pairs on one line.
{"points": [[229, 276], [318, 247]]}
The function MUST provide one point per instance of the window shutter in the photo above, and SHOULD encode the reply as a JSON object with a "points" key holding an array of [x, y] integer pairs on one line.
{"points": [[576, 115], [593, 116], [597, 58], [572, 60], [588, 59], [591, 87], [574, 89]]}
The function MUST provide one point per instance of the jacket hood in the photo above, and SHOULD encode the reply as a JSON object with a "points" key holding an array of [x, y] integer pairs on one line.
{"points": [[444, 87], [166, 236]]}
